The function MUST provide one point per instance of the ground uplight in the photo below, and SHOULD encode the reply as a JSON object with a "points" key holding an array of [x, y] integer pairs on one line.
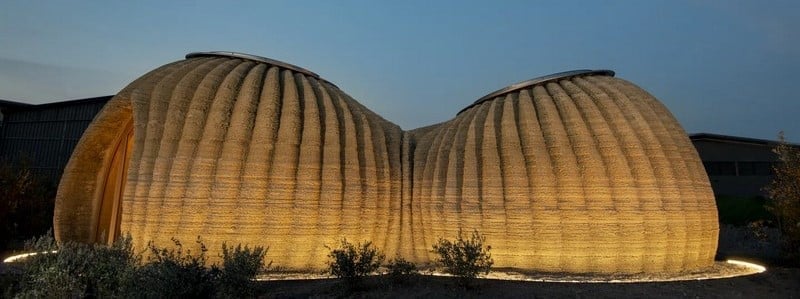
{"points": [[22, 256], [720, 270]]}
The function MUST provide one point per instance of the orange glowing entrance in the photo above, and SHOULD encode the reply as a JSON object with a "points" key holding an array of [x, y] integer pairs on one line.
{"points": [[108, 224]]}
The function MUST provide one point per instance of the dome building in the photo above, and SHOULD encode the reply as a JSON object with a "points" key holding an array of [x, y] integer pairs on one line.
{"points": [[575, 172]]}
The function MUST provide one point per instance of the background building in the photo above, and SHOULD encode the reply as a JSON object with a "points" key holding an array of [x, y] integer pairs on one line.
{"points": [[43, 136], [736, 166]]}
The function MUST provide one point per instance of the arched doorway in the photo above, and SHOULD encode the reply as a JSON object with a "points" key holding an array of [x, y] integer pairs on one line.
{"points": [[110, 217]]}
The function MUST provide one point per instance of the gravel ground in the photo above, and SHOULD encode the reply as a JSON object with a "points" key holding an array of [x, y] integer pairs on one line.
{"points": [[775, 283]]}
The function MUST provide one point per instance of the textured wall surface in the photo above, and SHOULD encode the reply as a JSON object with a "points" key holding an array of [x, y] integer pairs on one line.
{"points": [[585, 174]]}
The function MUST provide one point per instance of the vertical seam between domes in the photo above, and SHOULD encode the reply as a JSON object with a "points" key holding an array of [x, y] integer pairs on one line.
{"points": [[426, 199]]}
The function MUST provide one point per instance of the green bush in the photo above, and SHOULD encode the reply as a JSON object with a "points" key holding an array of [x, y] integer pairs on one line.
{"points": [[75, 269], [464, 258], [239, 268], [176, 273], [400, 270], [353, 262]]}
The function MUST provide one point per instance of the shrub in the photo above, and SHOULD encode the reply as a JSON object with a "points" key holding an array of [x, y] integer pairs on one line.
{"points": [[464, 258], [784, 193], [175, 273], [76, 269], [400, 270], [239, 267], [352, 262]]}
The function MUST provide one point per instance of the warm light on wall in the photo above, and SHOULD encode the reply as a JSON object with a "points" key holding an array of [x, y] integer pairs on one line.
{"points": [[577, 172]]}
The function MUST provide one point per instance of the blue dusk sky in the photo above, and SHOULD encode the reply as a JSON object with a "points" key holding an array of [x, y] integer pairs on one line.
{"points": [[726, 67]]}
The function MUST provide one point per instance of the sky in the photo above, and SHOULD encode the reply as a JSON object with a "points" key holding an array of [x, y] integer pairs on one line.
{"points": [[725, 67]]}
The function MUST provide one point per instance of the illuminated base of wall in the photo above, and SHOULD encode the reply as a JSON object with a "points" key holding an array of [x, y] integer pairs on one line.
{"points": [[720, 269]]}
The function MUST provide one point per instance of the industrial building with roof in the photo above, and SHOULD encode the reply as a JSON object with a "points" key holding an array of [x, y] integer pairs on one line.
{"points": [[737, 166], [577, 172], [42, 137]]}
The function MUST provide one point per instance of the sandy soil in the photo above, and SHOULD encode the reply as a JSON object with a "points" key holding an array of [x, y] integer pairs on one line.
{"points": [[775, 283]]}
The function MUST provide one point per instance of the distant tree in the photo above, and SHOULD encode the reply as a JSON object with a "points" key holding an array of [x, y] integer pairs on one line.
{"points": [[784, 193], [26, 204]]}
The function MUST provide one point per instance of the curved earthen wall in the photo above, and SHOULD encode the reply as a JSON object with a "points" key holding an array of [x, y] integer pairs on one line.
{"points": [[582, 174], [585, 174]]}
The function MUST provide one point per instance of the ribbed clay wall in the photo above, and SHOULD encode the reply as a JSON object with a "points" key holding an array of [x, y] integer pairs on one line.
{"points": [[586, 174], [582, 174], [237, 151]]}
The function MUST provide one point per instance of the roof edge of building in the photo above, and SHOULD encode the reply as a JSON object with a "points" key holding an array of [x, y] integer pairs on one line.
{"points": [[735, 139], [21, 105]]}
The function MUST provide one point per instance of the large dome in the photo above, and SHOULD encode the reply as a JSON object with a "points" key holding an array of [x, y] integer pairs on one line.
{"points": [[574, 172]]}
